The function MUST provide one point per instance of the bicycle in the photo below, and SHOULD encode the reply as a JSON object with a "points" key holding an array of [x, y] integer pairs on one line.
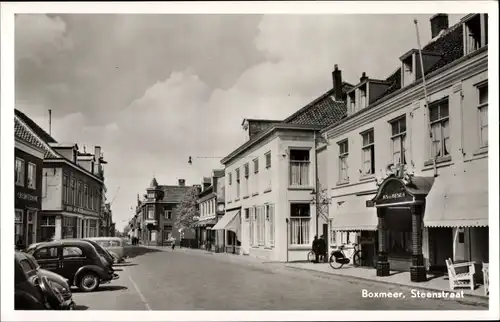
{"points": [[338, 258], [311, 256]]}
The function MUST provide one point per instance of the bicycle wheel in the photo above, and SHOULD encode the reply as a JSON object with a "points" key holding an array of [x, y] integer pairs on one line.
{"points": [[333, 263], [357, 258], [311, 256]]}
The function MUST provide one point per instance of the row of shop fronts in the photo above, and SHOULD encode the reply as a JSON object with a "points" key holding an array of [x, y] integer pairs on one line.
{"points": [[404, 171]]}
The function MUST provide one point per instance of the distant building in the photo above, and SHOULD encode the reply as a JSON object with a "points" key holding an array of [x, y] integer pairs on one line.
{"points": [[156, 213], [211, 208]]}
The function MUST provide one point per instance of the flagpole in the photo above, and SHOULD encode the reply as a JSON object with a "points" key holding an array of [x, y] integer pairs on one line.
{"points": [[425, 91]]}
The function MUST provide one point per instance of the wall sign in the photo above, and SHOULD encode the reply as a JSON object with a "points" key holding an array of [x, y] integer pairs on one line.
{"points": [[26, 196], [393, 192], [78, 210]]}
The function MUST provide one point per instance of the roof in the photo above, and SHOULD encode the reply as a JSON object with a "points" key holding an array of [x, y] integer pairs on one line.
{"points": [[153, 183], [260, 121], [22, 132], [174, 194], [75, 242], [218, 173], [449, 45], [37, 129], [323, 111]]}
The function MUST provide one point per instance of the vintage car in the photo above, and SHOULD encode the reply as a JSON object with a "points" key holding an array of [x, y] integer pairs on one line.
{"points": [[115, 245], [76, 260], [38, 289]]}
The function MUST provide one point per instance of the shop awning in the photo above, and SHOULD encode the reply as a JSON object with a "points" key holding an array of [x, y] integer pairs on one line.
{"points": [[353, 215], [230, 221], [458, 199], [206, 222]]}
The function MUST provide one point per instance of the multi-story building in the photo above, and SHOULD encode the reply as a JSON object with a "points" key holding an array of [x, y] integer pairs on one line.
{"points": [[72, 188], [156, 214], [271, 180], [29, 153], [211, 209], [408, 166]]}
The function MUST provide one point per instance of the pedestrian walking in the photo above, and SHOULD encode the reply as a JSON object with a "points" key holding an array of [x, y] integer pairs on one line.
{"points": [[173, 243], [315, 249]]}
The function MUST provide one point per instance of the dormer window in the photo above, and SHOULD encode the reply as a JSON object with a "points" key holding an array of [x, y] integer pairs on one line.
{"points": [[352, 102], [475, 32], [151, 195], [408, 70], [363, 102]]}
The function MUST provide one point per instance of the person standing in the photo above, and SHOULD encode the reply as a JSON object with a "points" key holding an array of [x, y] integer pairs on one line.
{"points": [[315, 249], [322, 248], [173, 242]]}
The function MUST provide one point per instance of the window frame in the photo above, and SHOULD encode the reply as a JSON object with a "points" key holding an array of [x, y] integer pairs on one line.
{"points": [[56, 257], [370, 146], [440, 120], [481, 107], [168, 214], [151, 209], [20, 177], [401, 136], [31, 182], [73, 191], [82, 255], [343, 155], [65, 187], [303, 240]]}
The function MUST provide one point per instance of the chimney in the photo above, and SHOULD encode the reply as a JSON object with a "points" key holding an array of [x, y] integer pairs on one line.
{"points": [[97, 153], [363, 77], [182, 182], [337, 83], [438, 22]]}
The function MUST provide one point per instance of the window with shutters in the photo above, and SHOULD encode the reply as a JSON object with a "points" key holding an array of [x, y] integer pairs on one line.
{"points": [[256, 211], [255, 177], [246, 169], [251, 220], [268, 174], [261, 226]]}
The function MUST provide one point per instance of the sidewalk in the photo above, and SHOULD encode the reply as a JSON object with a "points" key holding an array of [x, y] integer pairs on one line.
{"points": [[224, 256], [435, 283]]}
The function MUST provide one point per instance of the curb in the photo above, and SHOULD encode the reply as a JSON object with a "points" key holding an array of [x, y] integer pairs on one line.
{"points": [[476, 299]]}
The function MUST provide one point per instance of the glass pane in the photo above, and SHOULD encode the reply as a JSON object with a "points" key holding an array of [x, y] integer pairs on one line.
{"points": [[446, 129], [484, 115], [484, 136], [395, 128], [483, 94], [434, 113], [443, 110], [436, 139], [402, 125]]}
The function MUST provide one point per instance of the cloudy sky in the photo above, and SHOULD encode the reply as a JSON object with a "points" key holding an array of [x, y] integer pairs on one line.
{"points": [[152, 90]]}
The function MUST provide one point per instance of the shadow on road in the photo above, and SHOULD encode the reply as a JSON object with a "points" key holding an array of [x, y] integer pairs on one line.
{"points": [[81, 307], [104, 288], [139, 250], [124, 265]]}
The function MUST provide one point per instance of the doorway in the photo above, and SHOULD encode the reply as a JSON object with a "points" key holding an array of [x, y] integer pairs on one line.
{"points": [[441, 244]]}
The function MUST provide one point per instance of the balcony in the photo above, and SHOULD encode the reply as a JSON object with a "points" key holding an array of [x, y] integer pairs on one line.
{"points": [[150, 221], [299, 174]]}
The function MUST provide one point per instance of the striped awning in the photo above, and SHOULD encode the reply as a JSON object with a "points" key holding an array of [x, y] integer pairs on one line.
{"points": [[458, 199]]}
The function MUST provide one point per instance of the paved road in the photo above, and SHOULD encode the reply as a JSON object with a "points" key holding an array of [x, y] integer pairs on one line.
{"points": [[194, 281]]}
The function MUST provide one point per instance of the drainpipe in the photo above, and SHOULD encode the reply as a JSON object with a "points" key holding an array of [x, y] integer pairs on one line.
{"points": [[316, 183]]}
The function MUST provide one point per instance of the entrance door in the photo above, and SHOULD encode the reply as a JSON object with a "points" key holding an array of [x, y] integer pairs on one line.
{"points": [[442, 247]]}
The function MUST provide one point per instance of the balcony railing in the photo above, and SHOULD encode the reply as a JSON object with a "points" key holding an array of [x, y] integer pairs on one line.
{"points": [[299, 173]]}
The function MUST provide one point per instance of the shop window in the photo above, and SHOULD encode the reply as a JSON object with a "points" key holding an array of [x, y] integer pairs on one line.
{"points": [[19, 231]]}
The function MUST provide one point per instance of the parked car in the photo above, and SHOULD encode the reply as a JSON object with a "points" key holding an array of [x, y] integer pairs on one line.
{"points": [[115, 245], [76, 260], [37, 289]]}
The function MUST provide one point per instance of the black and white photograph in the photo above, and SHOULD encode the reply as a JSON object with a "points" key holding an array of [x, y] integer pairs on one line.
{"points": [[249, 161]]}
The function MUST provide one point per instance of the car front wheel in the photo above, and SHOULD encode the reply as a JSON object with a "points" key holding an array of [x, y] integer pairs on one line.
{"points": [[89, 282]]}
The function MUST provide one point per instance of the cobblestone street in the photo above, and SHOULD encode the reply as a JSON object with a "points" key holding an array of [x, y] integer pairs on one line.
{"points": [[181, 280]]}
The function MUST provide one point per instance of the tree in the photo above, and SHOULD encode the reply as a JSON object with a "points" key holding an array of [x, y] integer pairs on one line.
{"points": [[187, 209]]}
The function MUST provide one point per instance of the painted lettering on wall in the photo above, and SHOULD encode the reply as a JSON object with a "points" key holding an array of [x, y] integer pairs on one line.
{"points": [[26, 196], [78, 210]]}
